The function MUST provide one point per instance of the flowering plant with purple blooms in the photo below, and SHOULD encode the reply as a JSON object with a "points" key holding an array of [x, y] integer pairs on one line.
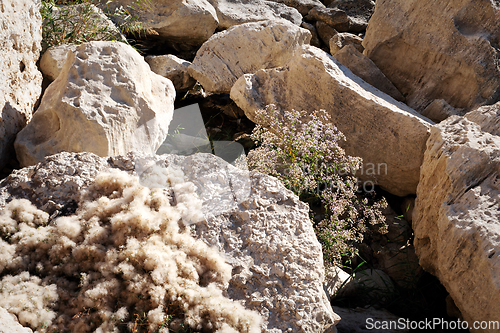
{"points": [[302, 150]]}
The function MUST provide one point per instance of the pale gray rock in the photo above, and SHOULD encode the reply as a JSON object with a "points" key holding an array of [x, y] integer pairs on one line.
{"points": [[335, 18], [106, 100], [456, 216], [20, 79], [488, 117], [340, 40], [243, 49], [55, 182], [438, 50], [186, 21], [262, 228], [9, 323], [366, 69], [235, 12], [439, 110], [384, 132], [53, 60], [303, 6], [314, 33], [370, 320], [335, 280], [173, 68]]}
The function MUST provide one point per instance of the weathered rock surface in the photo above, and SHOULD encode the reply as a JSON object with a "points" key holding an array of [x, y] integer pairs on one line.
{"points": [[456, 216], [488, 117], [21, 82], [303, 6], [52, 60], [340, 40], [9, 323], [235, 12], [335, 18], [187, 21], [359, 12], [438, 50], [335, 280], [245, 48], [54, 183], [439, 110], [173, 68], [366, 69], [379, 129], [356, 320], [314, 33], [368, 283], [106, 100], [265, 234], [325, 32]]}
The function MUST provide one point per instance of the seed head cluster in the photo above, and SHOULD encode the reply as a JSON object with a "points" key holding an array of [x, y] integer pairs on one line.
{"points": [[123, 262]]}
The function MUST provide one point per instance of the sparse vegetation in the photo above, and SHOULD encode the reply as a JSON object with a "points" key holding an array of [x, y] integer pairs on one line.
{"points": [[80, 21], [306, 156]]}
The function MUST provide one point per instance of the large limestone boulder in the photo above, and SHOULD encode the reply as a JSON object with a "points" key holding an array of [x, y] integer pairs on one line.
{"points": [[20, 80], [388, 135], [366, 69], [186, 21], [456, 216], [261, 228], [106, 100], [235, 12], [437, 50], [243, 49]]}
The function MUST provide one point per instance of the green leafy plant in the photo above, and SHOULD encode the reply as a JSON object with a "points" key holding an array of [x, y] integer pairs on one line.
{"points": [[80, 21], [303, 151]]}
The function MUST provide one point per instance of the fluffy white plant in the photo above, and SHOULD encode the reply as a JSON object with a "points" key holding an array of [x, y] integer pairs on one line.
{"points": [[122, 263]]}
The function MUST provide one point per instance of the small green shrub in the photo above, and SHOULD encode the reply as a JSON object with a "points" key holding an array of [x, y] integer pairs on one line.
{"points": [[80, 21], [306, 156]]}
